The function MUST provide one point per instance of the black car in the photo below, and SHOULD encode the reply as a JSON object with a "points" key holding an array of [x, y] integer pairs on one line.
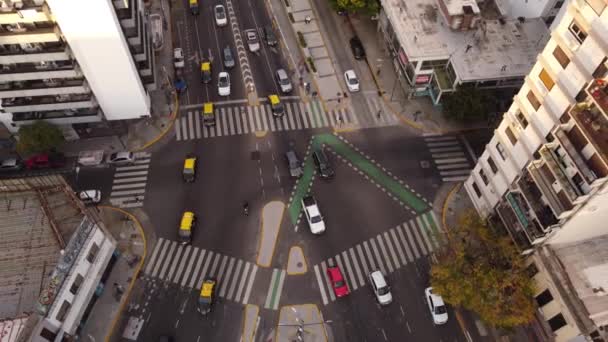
{"points": [[322, 163], [228, 57], [357, 48], [271, 38]]}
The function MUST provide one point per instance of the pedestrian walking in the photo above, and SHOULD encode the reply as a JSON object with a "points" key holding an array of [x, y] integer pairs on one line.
{"points": [[308, 19], [378, 113]]}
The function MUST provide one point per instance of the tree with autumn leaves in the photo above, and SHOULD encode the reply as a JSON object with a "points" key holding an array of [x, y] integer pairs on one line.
{"points": [[482, 271]]}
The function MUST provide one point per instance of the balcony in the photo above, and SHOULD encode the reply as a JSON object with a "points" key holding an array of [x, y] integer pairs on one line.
{"points": [[536, 201], [594, 126], [40, 35], [513, 227], [59, 117], [42, 88], [544, 180], [34, 53], [32, 11], [522, 212], [48, 103], [598, 91], [556, 161]]}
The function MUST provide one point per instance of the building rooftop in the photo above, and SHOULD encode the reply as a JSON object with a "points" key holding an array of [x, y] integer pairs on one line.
{"points": [[31, 243], [497, 49], [586, 263]]}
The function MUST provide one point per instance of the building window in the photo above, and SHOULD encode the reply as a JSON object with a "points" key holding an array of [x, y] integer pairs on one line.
{"points": [[549, 20], [521, 119], [533, 100], [577, 31], [531, 270], [48, 335], [582, 95], [547, 80], [430, 65], [544, 298], [559, 4], [76, 284], [501, 151], [476, 188], [601, 69], [63, 311], [492, 165], [510, 135], [556, 322], [93, 253], [483, 176], [597, 5], [561, 57]]}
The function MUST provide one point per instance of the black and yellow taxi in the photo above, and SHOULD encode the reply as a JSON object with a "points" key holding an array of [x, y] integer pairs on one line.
{"points": [[189, 171], [206, 296], [208, 114], [186, 226], [206, 72], [276, 106]]}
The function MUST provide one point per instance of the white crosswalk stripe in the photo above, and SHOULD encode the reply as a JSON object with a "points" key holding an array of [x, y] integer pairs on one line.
{"points": [[388, 252], [448, 155], [180, 265], [379, 114], [129, 183]]}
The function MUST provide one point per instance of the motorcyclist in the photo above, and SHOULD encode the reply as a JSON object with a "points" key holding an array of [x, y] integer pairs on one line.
{"points": [[246, 208]]}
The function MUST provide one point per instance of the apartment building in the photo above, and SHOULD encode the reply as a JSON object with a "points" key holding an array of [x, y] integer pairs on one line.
{"points": [[546, 168], [439, 44], [83, 65]]}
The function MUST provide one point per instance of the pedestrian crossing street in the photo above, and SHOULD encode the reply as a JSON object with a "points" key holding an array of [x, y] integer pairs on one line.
{"points": [[449, 157], [129, 184], [181, 265], [238, 119], [387, 251]]}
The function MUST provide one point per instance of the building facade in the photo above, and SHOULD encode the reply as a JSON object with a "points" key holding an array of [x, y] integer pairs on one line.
{"points": [[548, 158], [83, 65]]}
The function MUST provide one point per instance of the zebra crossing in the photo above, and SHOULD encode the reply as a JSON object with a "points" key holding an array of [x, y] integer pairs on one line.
{"points": [[129, 184], [188, 266], [449, 157], [238, 119], [387, 252]]}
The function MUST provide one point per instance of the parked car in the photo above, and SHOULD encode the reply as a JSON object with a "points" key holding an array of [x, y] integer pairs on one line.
{"points": [[252, 40], [223, 84], [283, 81], [439, 312], [220, 15], [352, 82], [338, 283], [45, 161], [380, 288], [322, 163], [90, 196], [11, 164], [294, 163], [178, 58], [121, 158], [357, 47], [271, 38], [228, 57]]}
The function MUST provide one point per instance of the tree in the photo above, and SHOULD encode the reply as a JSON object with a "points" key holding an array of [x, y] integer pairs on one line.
{"points": [[40, 136], [367, 7], [466, 104], [485, 273]]}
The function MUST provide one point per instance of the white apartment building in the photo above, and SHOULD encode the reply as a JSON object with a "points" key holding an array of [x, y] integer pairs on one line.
{"points": [[83, 65], [548, 160], [439, 44]]}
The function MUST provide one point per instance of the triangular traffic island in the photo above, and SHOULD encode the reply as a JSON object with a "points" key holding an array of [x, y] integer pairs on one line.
{"points": [[296, 264]]}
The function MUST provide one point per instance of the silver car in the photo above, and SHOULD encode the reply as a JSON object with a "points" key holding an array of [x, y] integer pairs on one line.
{"points": [[295, 165], [121, 158], [283, 81], [252, 40]]}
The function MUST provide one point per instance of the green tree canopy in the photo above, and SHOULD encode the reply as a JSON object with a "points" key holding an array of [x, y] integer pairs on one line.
{"points": [[484, 272], [367, 7], [40, 136], [466, 104]]}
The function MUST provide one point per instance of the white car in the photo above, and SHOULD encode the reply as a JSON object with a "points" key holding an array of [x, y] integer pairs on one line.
{"points": [[352, 82], [381, 289], [220, 15], [121, 158], [223, 84], [252, 40], [437, 307], [90, 196], [313, 215], [178, 58]]}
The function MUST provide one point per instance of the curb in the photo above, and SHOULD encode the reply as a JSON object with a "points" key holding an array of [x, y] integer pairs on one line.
{"points": [[135, 274], [172, 118], [445, 206]]}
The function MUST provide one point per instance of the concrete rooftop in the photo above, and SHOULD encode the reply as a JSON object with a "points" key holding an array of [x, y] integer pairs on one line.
{"points": [[497, 50]]}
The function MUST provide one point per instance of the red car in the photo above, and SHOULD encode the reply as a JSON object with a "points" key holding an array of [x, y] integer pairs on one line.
{"points": [[44, 161], [337, 281]]}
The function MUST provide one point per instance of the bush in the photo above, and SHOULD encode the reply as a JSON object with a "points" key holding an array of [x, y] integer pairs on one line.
{"points": [[38, 137], [311, 62], [301, 39]]}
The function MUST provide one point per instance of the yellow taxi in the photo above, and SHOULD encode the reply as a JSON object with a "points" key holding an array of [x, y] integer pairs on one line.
{"points": [[185, 227], [276, 106], [206, 72], [189, 171], [205, 299], [208, 114], [194, 7]]}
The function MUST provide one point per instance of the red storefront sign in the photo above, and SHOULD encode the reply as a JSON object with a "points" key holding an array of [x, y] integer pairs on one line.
{"points": [[423, 79]]}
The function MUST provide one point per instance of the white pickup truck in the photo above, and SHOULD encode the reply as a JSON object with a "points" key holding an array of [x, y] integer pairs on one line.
{"points": [[313, 215]]}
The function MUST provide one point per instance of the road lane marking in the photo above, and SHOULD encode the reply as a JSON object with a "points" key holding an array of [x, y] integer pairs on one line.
{"points": [[184, 124], [168, 261], [269, 293], [224, 284], [349, 270], [320, 284], [220, 273], [175, 260], [356, 266], [178, 133], [190, 125], [128, 180], [384, 254], [250, 285], [128, 186], [133, 167], [432, 227], [309, 113], [332, 296], [270, 120], [187, 274], [441, 143], [128, 174], [251, 122], [368, 253], [237, 120], [235, 279], [127, 192], [450, 160], [197, 124], [283, 120], [242, 281], [425, 235], [263, 117], [258, 124], [362, 258], [404, 243], [302, 114], [413, 228], [277, 296], [398, 246], [292, 124], [216, 261], [196, 279], [410, 239], [391, 250], [154, 255]]}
